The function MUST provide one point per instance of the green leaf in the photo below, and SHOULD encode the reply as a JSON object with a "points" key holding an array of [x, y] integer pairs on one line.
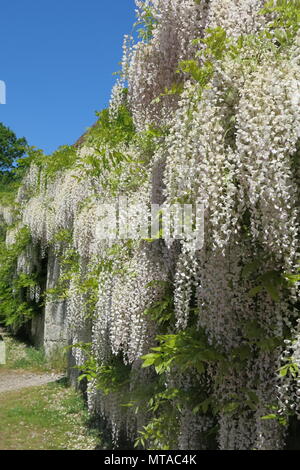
{"points": [[251, 267], [292, 277], [231, 407], [272, 291], [270, 416], [255, 290], [252, 395]]}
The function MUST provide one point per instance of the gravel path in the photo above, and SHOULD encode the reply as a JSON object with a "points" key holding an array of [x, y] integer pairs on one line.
{"points": [[15, 380]]}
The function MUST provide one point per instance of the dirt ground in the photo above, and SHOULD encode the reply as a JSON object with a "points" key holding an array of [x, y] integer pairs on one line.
{"points": [[16, 380]]}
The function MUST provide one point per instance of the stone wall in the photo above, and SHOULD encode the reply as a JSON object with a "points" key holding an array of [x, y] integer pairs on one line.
{"points": [[55, 327]]}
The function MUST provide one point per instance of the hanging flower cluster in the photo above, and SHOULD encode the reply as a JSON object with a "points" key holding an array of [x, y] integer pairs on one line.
{"points": [[169, 28]]}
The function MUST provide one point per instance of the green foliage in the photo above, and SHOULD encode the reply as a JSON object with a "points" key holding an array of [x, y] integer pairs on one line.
{"points": [[258, 336], [12, 151], [11, 148], [22, 356], [111, 376], [148, 141], [109, 131], [164, 410], [109, 139], [85, 281], [34, 359], [160, 433], [9, 186], [62, 159], [147, 24], [291, 368], [15, 309], [272, 282], [64, 237], [202, 75], [291, 371], [277, 415], [162, 311], [286, 23], [190, 350], [179, 353], [162, 407], [176, 89], [186, 349], [69, 267], [246, 398], [214, 46], [216, 43], [292, 278]]}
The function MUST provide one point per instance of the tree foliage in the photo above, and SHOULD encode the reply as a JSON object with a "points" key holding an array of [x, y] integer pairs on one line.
{"points": [[11, 148]]}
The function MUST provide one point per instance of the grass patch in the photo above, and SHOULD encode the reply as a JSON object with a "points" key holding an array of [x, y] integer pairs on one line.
{"points": [[49, 417], [33, 359], [22, 356]]}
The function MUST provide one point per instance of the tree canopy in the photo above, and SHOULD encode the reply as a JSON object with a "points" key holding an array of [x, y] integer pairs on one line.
{"points": [[11, 148]]}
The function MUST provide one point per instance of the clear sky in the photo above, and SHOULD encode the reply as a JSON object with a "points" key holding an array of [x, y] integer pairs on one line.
{"points": [[57, 60]]}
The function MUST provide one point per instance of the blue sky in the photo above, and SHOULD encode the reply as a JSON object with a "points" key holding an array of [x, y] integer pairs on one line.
{"points": [[57, 60]]}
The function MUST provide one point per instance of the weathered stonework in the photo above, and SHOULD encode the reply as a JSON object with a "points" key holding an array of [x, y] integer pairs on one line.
{"points": [[55, 328]]}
